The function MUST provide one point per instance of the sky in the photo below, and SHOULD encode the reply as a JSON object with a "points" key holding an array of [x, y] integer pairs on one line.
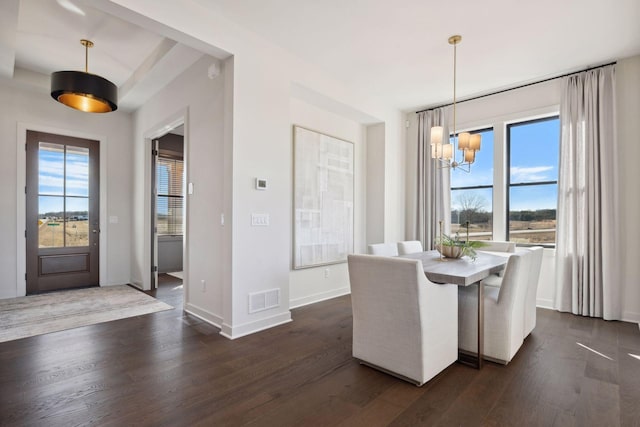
{"points": [[534, 158], [51, 180]]}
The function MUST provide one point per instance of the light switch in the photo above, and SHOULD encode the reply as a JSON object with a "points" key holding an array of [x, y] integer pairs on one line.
{"points": [[261, 184], [259, 219], [190, 188]]}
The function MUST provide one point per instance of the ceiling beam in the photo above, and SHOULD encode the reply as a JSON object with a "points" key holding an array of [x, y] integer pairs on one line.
{"points": [[163, 64]]}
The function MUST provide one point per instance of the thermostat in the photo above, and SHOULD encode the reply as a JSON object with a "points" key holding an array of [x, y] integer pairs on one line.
{"points": [[261, 184]]}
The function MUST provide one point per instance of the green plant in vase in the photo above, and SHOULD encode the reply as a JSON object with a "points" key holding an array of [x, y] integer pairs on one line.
{"points": [[453, 247]]}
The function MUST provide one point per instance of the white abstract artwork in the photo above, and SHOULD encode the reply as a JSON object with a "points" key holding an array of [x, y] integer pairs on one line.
{"points": [[323, 199]]}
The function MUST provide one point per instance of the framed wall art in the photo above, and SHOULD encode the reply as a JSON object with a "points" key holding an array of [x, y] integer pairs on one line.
{"points": [[323, 183]]}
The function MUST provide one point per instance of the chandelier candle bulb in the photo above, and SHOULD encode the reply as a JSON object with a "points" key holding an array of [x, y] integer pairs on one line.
{"points": [[474, 142], [447, 151], [469, 156], [434, 150], [436, 135], [463, 140]]}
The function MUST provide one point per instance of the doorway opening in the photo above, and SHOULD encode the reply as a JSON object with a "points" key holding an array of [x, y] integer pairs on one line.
{"points": [[168, 205]]}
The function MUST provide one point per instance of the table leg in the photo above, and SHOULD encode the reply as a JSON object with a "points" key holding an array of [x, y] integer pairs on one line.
{"points": [[467, 357]]}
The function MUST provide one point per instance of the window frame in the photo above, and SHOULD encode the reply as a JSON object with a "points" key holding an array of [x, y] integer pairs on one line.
{"points": [[508, 184], [475, 130]]}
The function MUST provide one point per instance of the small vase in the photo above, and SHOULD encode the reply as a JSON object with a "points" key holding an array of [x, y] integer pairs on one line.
{"points": [[450, 251]]}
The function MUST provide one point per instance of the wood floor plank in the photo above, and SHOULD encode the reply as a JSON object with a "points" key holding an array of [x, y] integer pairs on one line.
{"points": [[629, 377], [173, 369], [598, 403], [473, 405], [377, 413]]}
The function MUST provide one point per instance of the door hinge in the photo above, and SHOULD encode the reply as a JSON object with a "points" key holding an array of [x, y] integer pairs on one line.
{"points": [[154, 152], [25, 234], [154, 269], [25, 189], [25, 276]]}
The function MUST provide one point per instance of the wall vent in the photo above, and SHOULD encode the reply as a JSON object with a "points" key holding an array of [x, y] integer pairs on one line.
{"points": [[264, 300]]}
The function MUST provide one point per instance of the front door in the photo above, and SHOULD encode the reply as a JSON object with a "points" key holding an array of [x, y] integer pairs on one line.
{"points": [[63, 223]]}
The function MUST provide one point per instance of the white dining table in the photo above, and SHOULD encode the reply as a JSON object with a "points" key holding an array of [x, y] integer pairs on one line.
{"points": [[463, 272]]}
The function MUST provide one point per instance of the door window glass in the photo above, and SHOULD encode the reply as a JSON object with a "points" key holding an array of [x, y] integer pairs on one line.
{"points": [[63, 195], [50, 221]]}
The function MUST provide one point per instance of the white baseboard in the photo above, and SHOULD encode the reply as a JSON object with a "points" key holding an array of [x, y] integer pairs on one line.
{"points": [[629, 316], [203, 314], [322, 296], [233, 332], [545, 303]]}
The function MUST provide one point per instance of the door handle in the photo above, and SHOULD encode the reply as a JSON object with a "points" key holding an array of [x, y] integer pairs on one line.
{"points": [[94, 231]]}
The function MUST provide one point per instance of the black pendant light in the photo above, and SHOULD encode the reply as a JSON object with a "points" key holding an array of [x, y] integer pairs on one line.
{"points": [[83, 91]]}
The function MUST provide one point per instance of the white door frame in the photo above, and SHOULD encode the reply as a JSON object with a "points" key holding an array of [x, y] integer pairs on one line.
{"points": [[21, 198], [179, 118]]}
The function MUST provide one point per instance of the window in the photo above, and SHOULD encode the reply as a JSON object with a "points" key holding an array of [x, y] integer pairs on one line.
{"points": [[170, 201], [472, 193], [63, 195], [532, 148]]}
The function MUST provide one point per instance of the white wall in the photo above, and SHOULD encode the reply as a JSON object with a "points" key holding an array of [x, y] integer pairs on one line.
{"points": [[315, 284], [375, 185], [202, 99], [628, 112], [170, 252], [35, 109], [261, 143]]}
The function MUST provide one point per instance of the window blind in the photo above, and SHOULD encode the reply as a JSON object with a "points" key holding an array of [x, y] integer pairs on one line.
{"points": [[170, 199]]}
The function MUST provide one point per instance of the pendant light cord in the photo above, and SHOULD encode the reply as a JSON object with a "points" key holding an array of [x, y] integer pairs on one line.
{"points": [[87, 44], [455, 46]]}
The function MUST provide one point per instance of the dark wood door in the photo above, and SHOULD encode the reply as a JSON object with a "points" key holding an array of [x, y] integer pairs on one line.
{"points": [[63, 222]]}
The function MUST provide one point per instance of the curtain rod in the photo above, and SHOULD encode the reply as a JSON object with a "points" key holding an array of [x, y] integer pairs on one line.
{"points": [[517, 87]]}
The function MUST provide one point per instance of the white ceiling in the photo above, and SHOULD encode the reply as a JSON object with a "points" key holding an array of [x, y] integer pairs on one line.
{"points": [[398, 50], [395, 50]]}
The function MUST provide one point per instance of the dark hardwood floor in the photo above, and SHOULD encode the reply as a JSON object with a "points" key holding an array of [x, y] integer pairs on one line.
{"points": [[171, 369]]}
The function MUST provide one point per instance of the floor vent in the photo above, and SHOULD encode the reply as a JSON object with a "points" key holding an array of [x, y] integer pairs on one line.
{"points": [[264, 300]]}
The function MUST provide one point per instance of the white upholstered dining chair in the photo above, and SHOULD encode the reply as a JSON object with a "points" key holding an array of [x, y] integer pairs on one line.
{"points": [[503, 312], [383, 249], [409, 247], [403, 324], [533, 277], [531, 299], [498, 246]]}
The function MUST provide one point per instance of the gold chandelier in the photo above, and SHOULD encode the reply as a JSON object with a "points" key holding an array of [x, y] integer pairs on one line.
{"points": [[467, 143]]}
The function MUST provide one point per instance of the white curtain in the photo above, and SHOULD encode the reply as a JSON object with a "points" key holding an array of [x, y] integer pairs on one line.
{"points": [[433, 189], [587, 270]]}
